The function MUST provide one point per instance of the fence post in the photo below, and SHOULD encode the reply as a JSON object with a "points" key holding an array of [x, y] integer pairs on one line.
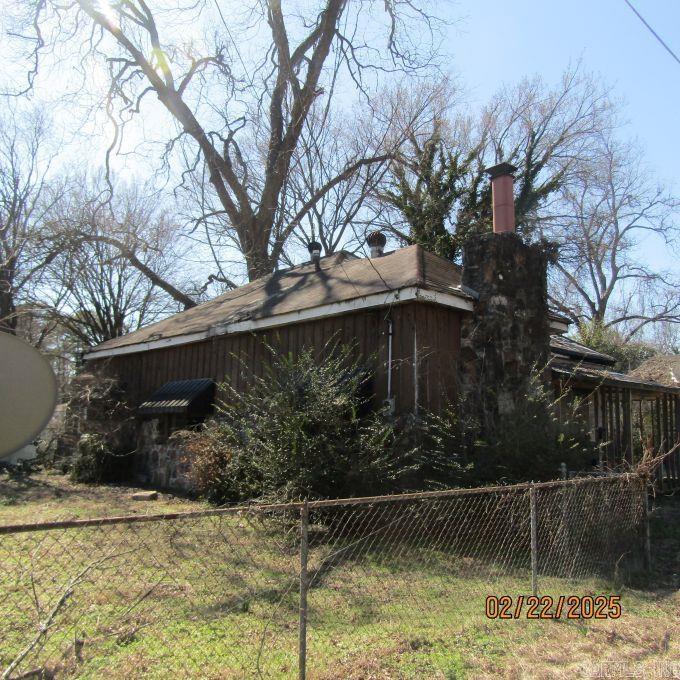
{"points": [[565, 533], [304, 584], [534, 540]]}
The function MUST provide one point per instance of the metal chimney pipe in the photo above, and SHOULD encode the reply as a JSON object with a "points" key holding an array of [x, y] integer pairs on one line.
{"points": [[376, 241], [314, 249], [502, 197]]}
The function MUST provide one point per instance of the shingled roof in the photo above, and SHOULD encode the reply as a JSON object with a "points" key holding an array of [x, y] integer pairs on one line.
{"points": [[570, 349], [341, 277], [663, 369], [572, 359]]}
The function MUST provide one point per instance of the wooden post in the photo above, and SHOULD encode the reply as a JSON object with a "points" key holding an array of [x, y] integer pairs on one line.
{"points": [[667, 438], [611, 449], [628, 426], [658, 444], [648, 538], [676, 436], [304, 584], [603, 439], [643, 436], [618, 448], [534, 540], [672, 469]]}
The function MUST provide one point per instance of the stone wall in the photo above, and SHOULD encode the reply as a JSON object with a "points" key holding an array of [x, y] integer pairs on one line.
{"points": [[508, 336], [160, 462]]}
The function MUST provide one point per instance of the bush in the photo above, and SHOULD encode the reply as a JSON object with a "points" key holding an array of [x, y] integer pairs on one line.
{"points": [[304, 430], [628, 354], [96, 462], [97, 441], [91, 459], [544, 431]]}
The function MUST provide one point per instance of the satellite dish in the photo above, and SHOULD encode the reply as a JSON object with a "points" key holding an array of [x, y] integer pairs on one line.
{"points": [[28, 393]]}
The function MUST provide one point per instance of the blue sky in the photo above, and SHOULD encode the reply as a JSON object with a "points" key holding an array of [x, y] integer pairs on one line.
{"points": [[492, 42], [497, 41]]}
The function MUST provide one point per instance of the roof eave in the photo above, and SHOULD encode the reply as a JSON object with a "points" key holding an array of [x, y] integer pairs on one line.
{"points": [[645, 386], [457, 299]]}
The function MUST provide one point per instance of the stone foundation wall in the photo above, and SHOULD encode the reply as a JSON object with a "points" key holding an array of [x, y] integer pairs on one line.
{"points": [[161, 463]]}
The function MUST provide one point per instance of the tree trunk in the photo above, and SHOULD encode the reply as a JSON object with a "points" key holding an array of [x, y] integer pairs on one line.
{"points": [[8, 317], [255, 246]]}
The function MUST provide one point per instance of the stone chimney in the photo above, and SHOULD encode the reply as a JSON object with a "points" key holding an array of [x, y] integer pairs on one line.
{"points": [[508, 335]]}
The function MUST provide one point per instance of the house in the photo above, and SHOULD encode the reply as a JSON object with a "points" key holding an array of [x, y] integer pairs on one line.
{"points": [[630, 413], [664, 369], [429, 328]]}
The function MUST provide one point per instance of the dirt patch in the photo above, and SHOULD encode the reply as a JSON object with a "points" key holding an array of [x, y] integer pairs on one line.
{"points": [[365, 665], [572, 650]]}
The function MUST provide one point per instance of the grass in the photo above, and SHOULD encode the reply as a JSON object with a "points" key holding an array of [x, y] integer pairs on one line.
{"points": [[216, 597], [47, 496]]}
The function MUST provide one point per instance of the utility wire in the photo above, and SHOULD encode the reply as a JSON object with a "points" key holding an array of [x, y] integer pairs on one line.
{"points": [[653, 32], [234, 43]]}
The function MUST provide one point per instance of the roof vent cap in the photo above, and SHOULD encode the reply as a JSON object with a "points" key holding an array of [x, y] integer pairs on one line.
{"points": [[314, 249], [376, 241]]}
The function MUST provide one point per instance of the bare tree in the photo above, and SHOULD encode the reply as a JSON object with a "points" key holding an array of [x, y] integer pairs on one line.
{"points": [[41, 328], [326, 147], [243, 110], [609, 209], [23, 171], [436, 192], [575, 185], [547, 132], [666, 337], [104, 281], [332, 142]]}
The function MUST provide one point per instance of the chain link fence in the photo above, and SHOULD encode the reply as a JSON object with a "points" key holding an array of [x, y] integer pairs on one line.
{"points": [[316, 588]]}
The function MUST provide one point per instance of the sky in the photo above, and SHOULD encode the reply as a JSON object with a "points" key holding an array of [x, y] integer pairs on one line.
{"points": [[494, 42], [497, 41]]}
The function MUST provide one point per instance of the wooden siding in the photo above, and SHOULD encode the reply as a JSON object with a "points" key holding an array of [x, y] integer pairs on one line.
{"points": [[424, 333]]}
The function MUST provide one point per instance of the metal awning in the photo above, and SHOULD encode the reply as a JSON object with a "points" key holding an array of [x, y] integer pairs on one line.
{"points": [[193, 397]]}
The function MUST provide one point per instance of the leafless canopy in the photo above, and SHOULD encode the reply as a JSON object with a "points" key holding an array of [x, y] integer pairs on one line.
{"points": [[606, 213], [113, 264], [239, 83], [546, 131], [23, 250]]}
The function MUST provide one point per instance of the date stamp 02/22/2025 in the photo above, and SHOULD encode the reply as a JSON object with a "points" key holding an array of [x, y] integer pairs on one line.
{"points": [[548, 607]]}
